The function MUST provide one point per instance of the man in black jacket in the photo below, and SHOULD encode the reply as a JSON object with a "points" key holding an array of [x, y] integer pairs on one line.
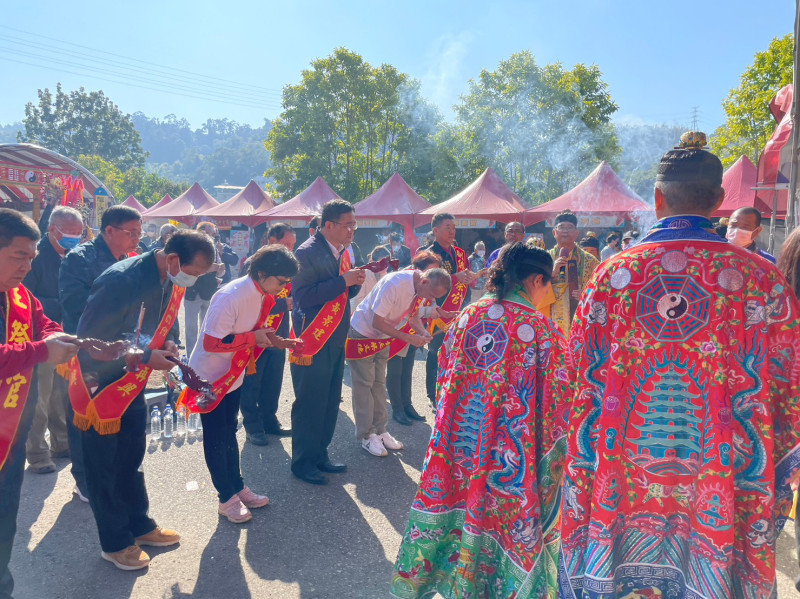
{"points": [[120, 230], [114, 448], [317, 385], [62, 234], [261, 391]]}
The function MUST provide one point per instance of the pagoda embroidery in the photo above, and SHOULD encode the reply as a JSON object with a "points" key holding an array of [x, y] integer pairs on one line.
{"points": [[670, 436]]}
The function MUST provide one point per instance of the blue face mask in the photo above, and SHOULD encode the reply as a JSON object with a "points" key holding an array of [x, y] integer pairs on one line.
{"points": [[68, 241]]}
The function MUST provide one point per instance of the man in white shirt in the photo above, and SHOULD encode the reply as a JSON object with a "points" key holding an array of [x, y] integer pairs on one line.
{"points": [[375, 323]]}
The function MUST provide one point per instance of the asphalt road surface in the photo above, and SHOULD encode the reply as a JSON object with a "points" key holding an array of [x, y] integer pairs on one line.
{"points": [[337, 541]]}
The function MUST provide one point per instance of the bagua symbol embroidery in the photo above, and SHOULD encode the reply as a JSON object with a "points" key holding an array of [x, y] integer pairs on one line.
{"points": [[485, 344], [673, 307]]}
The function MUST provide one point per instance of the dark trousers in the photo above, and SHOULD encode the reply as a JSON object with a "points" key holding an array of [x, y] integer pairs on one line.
{"points": [[398, 380], [221, 448], [261, 392], [117, 492], [75, 450], [318, 392], [432, 366], [11, 476]]}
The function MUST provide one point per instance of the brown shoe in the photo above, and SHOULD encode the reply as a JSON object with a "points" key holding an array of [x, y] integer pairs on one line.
{"points": [[160, 537], [131, 558]]}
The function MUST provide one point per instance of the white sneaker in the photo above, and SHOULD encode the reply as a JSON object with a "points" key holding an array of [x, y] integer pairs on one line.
{"points": [[80, 495], [390, 442], [374, 445]]}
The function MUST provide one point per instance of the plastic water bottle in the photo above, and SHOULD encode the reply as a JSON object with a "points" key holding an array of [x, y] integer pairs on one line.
{"points": [[155, 424], [180, 423], [194, 418], [169, 423]]}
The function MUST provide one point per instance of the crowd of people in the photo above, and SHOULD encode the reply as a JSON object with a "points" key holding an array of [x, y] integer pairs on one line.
{"points": [[615, 422]]}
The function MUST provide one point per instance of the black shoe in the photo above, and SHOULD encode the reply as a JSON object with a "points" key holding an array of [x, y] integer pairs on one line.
{"points": [[400, 418], [257, 439], [332, 467], [315, 477], [278, 431], [414, 415]]}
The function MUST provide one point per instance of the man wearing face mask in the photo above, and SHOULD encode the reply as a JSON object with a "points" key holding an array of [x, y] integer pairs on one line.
{"points": [[744, 227], [477, 263], [113, 417], [400, 251], [120, 230], [63, 234]]}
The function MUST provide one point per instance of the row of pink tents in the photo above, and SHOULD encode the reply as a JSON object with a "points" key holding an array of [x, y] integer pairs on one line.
{"points": [[488, 198]]}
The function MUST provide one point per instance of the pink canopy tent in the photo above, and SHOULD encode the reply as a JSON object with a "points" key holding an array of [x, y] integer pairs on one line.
{"points": [[242, 207], [487, 198], [186, 208], [775, 161], [160, 204], [738, 183], [132, 202], [299, 211], [394, 201], [602, 193]]}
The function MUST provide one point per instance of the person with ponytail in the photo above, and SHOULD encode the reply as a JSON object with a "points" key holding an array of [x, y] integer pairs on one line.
{"points": [[486, 516]]}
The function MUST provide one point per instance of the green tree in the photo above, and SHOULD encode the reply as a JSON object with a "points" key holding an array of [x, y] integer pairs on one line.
{"points": [[145, 186], [83, 123], [750, 123], [349, 122], [542, 128]]}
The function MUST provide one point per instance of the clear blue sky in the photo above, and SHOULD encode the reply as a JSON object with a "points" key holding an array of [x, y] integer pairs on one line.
{"points": [[660, 59]]}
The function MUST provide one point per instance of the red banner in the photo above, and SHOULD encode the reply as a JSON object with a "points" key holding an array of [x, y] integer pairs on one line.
{"points": [[458, 292], [14, 389], [104, 411]]}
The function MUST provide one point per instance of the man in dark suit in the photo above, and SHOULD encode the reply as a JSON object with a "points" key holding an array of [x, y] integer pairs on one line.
{"points": [[400, 251], [318, 289]]}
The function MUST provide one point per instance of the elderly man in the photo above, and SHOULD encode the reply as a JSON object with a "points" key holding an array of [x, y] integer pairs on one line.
{"points": [[376, 322], [684, 437], [120, 230], [164, 233], [572, 269], [27, 339], [456, 262], [63, 234], [143, 292], [744, 227], [514, 233]]}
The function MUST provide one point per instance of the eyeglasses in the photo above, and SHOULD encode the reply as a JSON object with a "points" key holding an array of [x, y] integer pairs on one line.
{"points": [[283, 281], [565, 228], [349, 227], [131, 234]]}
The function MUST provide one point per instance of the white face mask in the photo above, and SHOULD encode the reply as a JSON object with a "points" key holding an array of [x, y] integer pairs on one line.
{"points": [[396, 247], [481, 253], [739, 237], [182, 279]]}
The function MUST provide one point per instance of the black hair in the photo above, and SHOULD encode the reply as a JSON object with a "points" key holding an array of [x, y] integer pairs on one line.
{"points": [[380, 251], [15, 224], [272, 261], [516, 263], [334, 210], [395, 236], [590, 241], [440, 217], [612, 236], [116, 216], [424, 258], [188, 244], [278, 231], [567, 216], [751, 210], [314, 224]]}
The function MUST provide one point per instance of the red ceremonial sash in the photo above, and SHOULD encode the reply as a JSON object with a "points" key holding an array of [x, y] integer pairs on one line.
{"points": [[274, 321], [104, 411], [241, 358], [358, 349], [317, 333], [14, 389], [458, 292]]}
